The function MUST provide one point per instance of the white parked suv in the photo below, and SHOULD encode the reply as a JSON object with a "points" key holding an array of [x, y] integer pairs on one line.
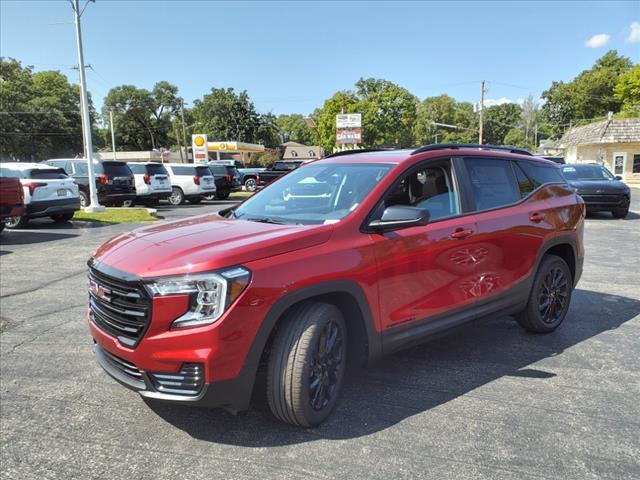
{"points": [[152, 182], [189, 182], [48, 192]]}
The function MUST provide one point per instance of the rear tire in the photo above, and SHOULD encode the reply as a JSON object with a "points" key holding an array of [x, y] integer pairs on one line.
{"points": [[62, 217], [177, 196], [550, 296], [16, 222], [620, 212], [307, 363], [84, 199], [250, 184]]}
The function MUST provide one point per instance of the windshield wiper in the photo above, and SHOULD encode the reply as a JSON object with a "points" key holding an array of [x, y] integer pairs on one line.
{"points": [[265, 220]]}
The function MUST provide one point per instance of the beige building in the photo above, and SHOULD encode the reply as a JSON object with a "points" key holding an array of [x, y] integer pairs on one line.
{"points": [[298, 151], [614, 143]]}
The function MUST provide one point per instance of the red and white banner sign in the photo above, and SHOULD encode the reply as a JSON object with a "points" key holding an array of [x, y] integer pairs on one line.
{"points": [[348, 136]]}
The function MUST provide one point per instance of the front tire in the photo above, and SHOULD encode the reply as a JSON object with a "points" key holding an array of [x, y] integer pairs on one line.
{"points": [[307, 364], [549, 298], [250, 184], [62, 217], [620, 212]]}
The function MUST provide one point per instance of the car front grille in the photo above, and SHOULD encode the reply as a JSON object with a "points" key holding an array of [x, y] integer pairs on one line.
{"points": [[120, 308], [612, 199], [125, 367]]}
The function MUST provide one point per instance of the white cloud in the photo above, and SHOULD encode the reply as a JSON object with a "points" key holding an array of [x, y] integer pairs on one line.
{"points": [[490, 102], [634, 33], [599, 40]]}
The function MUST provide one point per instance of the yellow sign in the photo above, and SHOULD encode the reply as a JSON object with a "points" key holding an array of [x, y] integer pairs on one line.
{"points": [[199, 141]]}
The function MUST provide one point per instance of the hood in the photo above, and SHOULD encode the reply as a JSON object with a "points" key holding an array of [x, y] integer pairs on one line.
{"points": [[204, 243], [595, 187]]}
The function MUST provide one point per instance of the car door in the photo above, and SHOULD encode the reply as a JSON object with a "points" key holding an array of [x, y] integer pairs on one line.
{"points": [[511, 226], [427, 272]]}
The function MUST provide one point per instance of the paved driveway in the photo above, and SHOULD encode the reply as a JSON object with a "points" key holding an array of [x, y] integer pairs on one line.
{"points": [[490, 401]]}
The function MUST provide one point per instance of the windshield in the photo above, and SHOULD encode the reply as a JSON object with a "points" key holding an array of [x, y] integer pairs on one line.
{"points": [[314, 194], [586, 172]]}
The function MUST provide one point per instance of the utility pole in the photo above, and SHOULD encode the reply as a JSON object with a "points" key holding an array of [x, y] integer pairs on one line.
{"points": [[184, 134], [481, 112], [175, 132], [113, 134], [94, 205]]}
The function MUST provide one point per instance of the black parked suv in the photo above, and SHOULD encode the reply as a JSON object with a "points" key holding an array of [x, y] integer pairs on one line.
{"points": [[114, 180], [227, 180]]}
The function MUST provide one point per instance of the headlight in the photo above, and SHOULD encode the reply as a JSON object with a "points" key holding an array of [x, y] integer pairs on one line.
{"points": [[211, 293]]}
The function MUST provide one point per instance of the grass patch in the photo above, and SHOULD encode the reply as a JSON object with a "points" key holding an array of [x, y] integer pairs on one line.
{"points": [[240, 195], [116, 215]]}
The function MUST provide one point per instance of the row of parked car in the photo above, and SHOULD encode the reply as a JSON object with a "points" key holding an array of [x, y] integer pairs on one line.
{"points": [[57, 188]]}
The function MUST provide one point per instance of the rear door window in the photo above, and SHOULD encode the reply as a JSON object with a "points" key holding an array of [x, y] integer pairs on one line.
{"points": [[116, 169], [184, 171], [493, 183], [80, 169], [137, 169]]}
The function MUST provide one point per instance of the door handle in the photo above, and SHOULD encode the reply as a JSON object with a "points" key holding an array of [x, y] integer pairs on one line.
{"points": [[536, 217], [461, 233]]}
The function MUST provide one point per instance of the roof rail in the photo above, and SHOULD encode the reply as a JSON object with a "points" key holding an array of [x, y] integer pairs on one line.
{"points": [[442, 146], [352, 152]]}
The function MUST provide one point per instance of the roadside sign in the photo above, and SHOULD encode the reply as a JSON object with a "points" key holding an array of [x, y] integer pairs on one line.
{"points": [[348, 136], [349, 120], [199, 146]]}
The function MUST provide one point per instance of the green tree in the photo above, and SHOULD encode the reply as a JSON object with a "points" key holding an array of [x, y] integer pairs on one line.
{"points": [[267, 132], [440, 109], [293, 128], [39, 113], [588, 96], [388, 112], [498, 120], [224, 114], [344, 101], [517, 138], [142, 118], [627, 91]]}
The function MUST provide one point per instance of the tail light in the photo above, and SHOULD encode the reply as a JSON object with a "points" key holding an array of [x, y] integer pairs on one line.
{"points": [[32, 187], [229, 178], [257, 178], [147, 179], [103, 179], [196, 180]]}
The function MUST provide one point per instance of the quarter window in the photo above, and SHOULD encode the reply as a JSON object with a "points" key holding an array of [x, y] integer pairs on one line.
{"points": [[493, 183], [541, 174], [525, 184]]}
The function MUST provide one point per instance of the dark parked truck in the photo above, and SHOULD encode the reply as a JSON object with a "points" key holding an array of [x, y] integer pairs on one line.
{"points": [[11, 199], [277, 170], [343, 260]]}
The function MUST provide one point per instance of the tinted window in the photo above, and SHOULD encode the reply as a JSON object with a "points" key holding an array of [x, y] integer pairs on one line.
{"points": [[586, 172], [156, 169], [139, 169], [51, 173], [219, 170], [636, 164], [203, 171], [233, 171], [525, 185], [493, 182], [7, 172], [541, 174], [184, 171], [431, 189], [286, 166], [116, 169]]}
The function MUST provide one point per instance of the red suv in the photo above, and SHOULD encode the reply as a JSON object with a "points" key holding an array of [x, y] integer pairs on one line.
{"points": [[342, 260]]}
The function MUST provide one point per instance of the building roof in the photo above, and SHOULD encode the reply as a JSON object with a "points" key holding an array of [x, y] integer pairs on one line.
{"points": [[292, 144], [616, 130], [302, 152]]}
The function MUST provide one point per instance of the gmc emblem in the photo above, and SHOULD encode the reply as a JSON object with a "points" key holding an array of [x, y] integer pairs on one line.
{"points": [[99, 291]]}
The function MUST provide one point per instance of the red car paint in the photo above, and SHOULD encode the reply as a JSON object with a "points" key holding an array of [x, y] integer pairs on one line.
{"points": [[456, 262], [11, 197]]}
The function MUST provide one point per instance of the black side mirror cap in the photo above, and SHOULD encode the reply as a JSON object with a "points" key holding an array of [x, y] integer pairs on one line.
{"points": [[618, 177], [397, 217]]}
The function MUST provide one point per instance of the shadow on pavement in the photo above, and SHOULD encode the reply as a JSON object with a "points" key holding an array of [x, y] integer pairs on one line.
{"points": [[26, 237], [416, 380], [607, 216]]}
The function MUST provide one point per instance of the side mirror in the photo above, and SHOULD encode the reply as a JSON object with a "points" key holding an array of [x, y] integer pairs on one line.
{"points": [[396, 217], [618, 177]]}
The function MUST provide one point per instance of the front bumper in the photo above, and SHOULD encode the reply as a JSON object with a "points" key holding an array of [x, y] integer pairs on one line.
{"points": [[52, 207], [605, 202]]}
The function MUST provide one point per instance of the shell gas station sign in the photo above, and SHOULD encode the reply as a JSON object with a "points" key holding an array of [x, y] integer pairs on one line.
{"points": [[199, 146]]}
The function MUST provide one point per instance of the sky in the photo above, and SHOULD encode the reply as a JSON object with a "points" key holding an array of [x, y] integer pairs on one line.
{"points": [[291, 56]]}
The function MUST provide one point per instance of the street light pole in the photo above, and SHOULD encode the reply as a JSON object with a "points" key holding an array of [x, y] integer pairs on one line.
{"points": [[113, 134], [481, 113], [94, 204]]}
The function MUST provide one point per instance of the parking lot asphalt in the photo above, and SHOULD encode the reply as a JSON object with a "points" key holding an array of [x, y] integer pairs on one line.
{"points": [[490, 401]]}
